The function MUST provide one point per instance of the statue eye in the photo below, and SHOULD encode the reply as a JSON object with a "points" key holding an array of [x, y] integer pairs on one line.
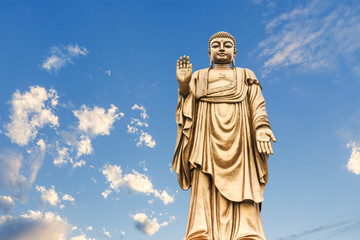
{"points": [[228, 46], [215, 46]]}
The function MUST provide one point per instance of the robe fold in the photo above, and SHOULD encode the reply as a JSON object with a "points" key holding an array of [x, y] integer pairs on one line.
{"points": [[216, 137]]}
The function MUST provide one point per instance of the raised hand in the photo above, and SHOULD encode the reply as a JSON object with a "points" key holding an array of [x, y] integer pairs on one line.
{"points": [[183, 71], [263, 138]]}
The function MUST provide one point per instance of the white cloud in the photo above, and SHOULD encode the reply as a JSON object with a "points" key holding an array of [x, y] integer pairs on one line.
{"points": [[106, 233], [34, 226], [67, 197], [75, 50], [132, 129], [146, 225], [164, 196], [81, 237], [89, 228], [30, 112], [12, 168], [143, 165], [6, 204], [113, 174], [62, 55], [353, 164], [139, 182], [84, 146], [63, 156], [134, 181], [138, 122], [106, 193], [97, 121], [49, 196], [79, 164], [142, 109], [108, 72], [172, 218], [146, 139], [313, 36]]}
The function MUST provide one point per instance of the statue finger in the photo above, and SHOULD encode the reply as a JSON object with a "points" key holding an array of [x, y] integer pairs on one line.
{"points": [[177, 64], [267, 147], [184, 61], [258, 146], [272, 137], [262, 144], [270, 147], [181, 62], [188, 60]]}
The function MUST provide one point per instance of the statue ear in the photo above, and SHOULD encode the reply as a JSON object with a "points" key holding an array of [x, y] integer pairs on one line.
{"points": [[233, 59], [211, 61]]}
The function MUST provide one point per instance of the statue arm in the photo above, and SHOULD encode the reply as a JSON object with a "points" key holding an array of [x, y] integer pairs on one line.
{"points": [[185, 114], [260, 120]]}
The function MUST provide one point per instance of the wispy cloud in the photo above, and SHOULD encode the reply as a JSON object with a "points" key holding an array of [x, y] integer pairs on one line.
{"points": [[30, 112], [84, 146], [34, 225], [327, 232], [138, 122], [353, 164], [146, 225], [312, 36], [146, 139], [18, 175], [135, 181], [6, 204], [68, 197], [81, 237], [79, 164], [142, 109], [92, 122], [49, 196], [106, 233], [62, 55], [133, 128], [97, 121]]}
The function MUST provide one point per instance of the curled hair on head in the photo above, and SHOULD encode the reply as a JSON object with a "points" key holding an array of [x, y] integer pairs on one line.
{"points": [[222, 35]]}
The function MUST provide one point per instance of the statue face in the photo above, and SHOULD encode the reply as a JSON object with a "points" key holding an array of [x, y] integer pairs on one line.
{"points": [[222, 50]]}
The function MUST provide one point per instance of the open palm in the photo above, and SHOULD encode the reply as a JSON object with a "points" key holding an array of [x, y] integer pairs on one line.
{"points": [[183, 70]]}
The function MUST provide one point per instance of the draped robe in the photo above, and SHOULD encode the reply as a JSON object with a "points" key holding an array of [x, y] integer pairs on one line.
{"points": [[216, 155]]}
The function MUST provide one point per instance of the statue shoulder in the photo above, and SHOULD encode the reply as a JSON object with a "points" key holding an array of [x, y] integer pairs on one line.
{"points": [[199, 73], [250, 77], [202, 71]]}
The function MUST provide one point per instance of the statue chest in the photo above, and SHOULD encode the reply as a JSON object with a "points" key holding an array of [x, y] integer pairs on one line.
{"points": [[220, 78]]}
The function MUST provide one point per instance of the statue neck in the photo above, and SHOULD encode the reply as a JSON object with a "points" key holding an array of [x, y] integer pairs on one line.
{"points": [[222, 66]]}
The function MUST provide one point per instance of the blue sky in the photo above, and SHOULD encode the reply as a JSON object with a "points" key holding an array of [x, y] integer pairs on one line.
{"points": [[87, 114]]}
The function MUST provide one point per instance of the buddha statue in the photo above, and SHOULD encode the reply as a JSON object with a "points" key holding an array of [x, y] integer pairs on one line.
{"points": [[222, 146]]}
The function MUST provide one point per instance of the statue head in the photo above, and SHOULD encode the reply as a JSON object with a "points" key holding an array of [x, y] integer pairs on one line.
{"points": [[222, 48]]}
